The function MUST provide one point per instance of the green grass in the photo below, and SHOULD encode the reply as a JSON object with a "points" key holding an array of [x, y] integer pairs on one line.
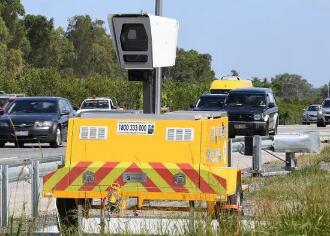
{"points": [[296, 204]]}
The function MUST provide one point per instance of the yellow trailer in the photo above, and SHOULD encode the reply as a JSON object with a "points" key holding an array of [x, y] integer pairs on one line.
{"points": [[172, 156], [227, 83]]}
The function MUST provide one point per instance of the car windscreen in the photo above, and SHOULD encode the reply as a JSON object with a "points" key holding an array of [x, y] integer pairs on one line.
{"points": [[246, 99], [313, 108], [95, 104], [210, 102], [32, 106], [326, 103]]}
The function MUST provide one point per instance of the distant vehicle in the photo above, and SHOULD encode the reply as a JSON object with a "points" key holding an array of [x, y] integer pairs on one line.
{"points": [[97, 104], [5, 99], [252, 111], [323, 115], [227, 83], [36, 119], [310, 114], [210, 102]]}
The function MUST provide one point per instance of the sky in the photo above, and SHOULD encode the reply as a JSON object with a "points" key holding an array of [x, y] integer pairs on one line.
{"points": [[258, 38]]}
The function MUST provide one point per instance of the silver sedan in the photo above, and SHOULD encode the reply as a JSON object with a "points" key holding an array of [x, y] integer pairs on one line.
{"points": [[310, 114]]}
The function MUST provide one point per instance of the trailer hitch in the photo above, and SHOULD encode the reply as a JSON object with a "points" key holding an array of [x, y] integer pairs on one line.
{"points": [[113, 202]]}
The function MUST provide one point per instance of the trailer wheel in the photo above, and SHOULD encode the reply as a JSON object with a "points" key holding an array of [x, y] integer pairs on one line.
{"points": [[236, 199], [67, 213]]}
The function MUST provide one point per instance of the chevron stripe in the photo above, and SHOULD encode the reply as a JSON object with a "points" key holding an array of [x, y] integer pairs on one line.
{"points": [[159, 177], [74, 173]]}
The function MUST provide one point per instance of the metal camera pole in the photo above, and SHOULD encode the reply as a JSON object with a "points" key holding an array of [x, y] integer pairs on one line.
{"points": [[158, 71]]}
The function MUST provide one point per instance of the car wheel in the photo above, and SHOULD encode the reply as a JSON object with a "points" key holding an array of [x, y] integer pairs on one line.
{"points": [[19, 144], [307, 123], [265, 132], [274, 132], [67, 213], [321, 124], [2, 144], [58, 139]]}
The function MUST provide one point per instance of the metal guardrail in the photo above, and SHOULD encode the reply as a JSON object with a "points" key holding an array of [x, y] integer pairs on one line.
{"points": [[18, 169], [306, 142]]}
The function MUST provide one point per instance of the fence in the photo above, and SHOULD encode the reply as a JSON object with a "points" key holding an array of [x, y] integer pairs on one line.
{"points": [[307, 142], [17, 169]]}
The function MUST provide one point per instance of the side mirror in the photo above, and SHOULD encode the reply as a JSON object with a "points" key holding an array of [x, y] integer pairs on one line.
{"points": [[271, 105], [75, 108], [65, 112], [192, 106]]}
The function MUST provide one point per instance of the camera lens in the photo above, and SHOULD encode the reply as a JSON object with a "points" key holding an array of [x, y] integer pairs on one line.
{"points": [[134, 37]]}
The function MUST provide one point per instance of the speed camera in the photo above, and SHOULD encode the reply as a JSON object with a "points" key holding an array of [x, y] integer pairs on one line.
{"points": [[144, 41]]}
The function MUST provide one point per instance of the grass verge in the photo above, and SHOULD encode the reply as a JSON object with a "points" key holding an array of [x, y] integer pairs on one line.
{"points": [[296, 204]]}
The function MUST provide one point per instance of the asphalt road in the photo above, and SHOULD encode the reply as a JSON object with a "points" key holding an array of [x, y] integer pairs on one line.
{"points": [[44, 150]]}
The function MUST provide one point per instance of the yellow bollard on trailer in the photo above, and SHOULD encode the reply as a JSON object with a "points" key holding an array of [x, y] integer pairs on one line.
{"points": [[180, 156]]}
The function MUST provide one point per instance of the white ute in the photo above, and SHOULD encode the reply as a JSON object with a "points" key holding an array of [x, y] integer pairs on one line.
{"points": [[97, 104]]}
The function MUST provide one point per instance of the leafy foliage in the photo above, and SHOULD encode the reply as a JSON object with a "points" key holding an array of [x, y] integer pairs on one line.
{"points": [[38, 59]]}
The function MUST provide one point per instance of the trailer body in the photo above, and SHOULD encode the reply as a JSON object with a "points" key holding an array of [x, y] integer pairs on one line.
{"points": [[173, 156]]}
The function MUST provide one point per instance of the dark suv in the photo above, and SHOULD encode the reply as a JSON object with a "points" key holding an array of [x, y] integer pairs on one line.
{"points": [[210, 102], [252, 111], [36, 119], [323, 115]]}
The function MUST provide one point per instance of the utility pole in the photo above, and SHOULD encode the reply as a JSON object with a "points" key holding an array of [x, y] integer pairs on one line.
{"points": [[158, 71]]}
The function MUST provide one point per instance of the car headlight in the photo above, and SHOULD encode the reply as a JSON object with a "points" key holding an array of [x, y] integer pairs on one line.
{"points": [[320, 112], [4, 124], [258, 116], [43, 124]]}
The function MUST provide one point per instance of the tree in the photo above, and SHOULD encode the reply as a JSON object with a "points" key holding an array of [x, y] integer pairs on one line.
{"points": [[4, 32], [15, 61], [191, 66], [10, 11], [262, 83], [39, 31], [291, 86], [93, 47], [49, 46]]}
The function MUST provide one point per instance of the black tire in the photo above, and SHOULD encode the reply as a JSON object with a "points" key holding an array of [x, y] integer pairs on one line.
{"points": [[265, 132], [67, 213], [274, 132], [19, 144], [57, 142], [2, 144], [236, 199], [307, 123], [321, 124]]}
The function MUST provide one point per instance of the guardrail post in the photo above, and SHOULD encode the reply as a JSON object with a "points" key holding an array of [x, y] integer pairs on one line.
{"points": [[4, 195], [256, 156], [290, 161], [80, 218], [230, 152], [35, 188]]}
